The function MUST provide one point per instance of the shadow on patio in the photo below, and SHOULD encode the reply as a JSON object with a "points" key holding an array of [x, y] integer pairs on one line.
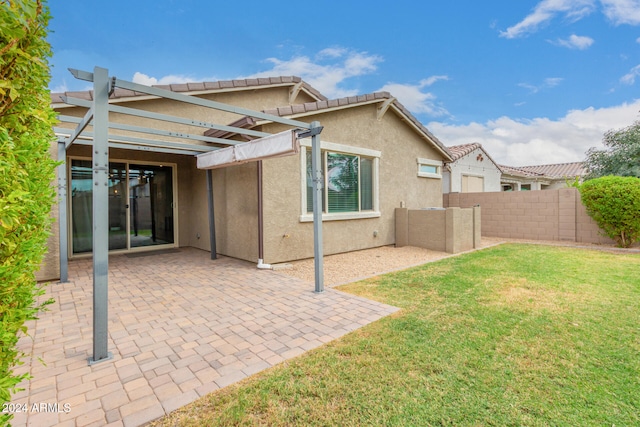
{"points": [[180, 326]]}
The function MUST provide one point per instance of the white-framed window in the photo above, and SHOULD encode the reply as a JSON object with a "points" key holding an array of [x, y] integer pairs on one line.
{"points": [[350, 189], [428, 168]]}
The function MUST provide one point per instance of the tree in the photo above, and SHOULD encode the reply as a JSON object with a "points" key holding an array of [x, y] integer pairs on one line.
{"points": [[26, 175], [614, 204], [621, 157]]}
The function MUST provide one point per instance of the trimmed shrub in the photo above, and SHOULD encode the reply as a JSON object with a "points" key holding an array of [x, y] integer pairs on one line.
{"points": [[614, 203], [26, 174]]}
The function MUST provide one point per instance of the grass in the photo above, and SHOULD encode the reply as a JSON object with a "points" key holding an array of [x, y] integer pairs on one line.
{"points": [[512, 335]]}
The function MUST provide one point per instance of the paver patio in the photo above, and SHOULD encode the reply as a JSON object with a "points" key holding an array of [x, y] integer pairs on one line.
{"points": [[180, 326]]}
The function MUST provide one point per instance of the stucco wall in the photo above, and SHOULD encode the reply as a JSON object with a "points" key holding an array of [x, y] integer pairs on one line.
{"points": [[286, 238], [536, 215], [451, 230]]}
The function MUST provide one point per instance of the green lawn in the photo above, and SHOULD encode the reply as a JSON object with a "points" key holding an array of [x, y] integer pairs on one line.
{"points": [[512, 335]]}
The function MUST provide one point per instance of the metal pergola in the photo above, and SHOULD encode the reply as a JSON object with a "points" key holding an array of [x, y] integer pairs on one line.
{"points": [[101, 139]]}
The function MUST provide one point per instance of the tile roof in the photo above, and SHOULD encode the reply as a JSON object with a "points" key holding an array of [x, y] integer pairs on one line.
{"points": [[222, 85], [516, 171], [554, 171], [458, 151], [559, 170], [350, 101]]}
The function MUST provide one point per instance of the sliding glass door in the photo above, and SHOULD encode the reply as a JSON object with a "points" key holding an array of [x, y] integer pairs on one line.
{"points": [[140, 206], [150, 205]]}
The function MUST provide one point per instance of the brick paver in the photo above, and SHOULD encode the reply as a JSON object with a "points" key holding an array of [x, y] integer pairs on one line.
{"points": [[180, 326]]}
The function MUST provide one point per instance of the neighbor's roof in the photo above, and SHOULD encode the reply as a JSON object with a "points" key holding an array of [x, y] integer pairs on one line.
{"points": [[559, 170], [518, 171], [459, 151], [199, 89]]}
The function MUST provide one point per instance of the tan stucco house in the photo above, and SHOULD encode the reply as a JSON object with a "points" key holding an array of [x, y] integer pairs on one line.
{"points": [[376, 156]]}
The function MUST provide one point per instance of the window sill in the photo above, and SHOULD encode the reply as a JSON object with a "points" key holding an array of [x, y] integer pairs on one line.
{"points": [[429, 175], [341, 216]]}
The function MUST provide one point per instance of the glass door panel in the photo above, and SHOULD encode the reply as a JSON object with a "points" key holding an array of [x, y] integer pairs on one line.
{"points": [[82, 206], [117, 206], [151, 205]]}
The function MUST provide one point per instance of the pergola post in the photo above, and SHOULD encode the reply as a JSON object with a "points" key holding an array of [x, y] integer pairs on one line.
{"points": [[318, 183], [212, 218], [62, 213], [100, 162]]}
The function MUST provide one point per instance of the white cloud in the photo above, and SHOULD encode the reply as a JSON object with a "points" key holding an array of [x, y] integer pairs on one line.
{"points": [[545, 11], [144, 79], [576, 42], [431, 80], [630, 77], [417, 101], [540, 141], [332, 52], [617, 11], [622, 11], [552, 81], [326, 71], [548, 83]]}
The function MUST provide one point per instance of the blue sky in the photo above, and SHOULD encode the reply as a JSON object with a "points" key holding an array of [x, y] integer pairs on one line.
{"points": [[534, 82]]}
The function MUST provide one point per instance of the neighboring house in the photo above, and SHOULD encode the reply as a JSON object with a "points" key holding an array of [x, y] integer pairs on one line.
{"points": [[376, 157], [540, 177], [472, 170]]}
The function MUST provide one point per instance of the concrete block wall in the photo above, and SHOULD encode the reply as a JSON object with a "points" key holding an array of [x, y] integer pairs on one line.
{"points": [[536, 215], [451, 230]]}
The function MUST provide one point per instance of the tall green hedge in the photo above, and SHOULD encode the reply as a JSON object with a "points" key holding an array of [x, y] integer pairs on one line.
{"points": [[614, 203], [26, 174]]}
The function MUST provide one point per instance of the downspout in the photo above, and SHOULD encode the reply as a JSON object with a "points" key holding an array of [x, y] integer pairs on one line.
{"points": [[261, 265]]}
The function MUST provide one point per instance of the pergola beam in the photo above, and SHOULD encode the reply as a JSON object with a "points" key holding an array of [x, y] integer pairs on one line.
{"points": [[82, 124], [160, 132], [167, 118], [151, 143]]}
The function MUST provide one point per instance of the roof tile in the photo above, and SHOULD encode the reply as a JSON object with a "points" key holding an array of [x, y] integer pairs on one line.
{"points": [[285, 111], [458, 151], [298, 108], [212, 85], [195, 86], [180, 87], [311, 106]]}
